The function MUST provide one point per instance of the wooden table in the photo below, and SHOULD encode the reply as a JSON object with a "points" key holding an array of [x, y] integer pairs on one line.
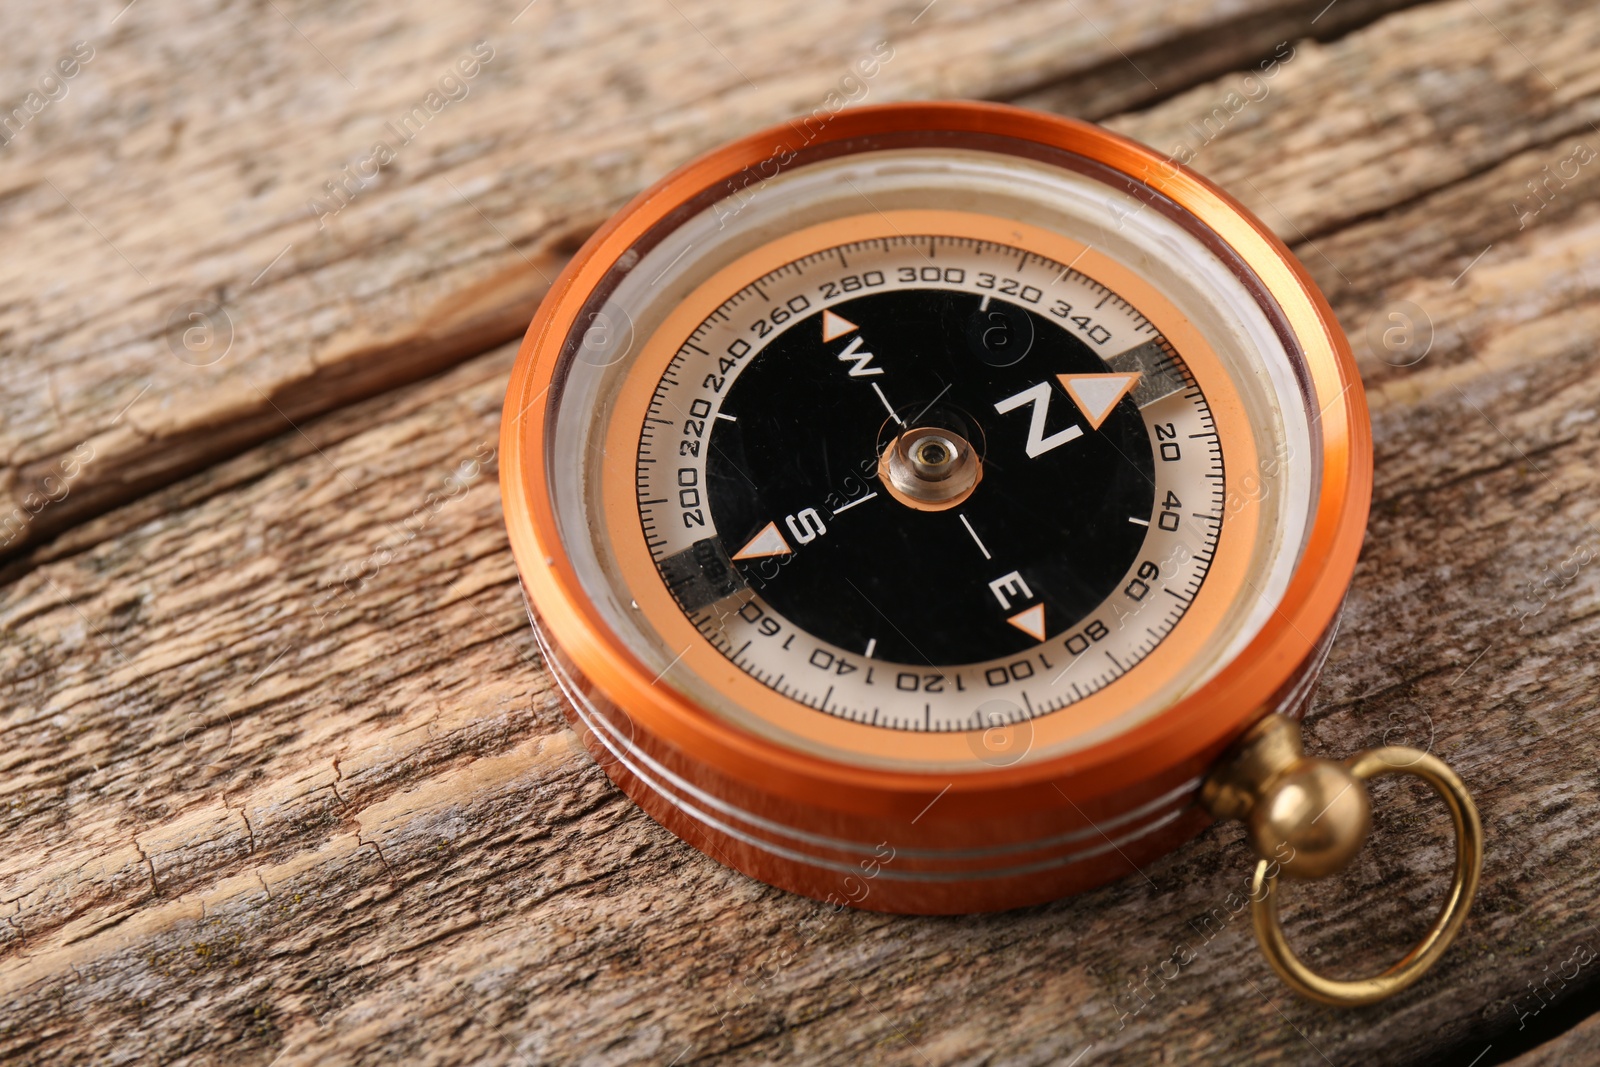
{"points": [[283, 779]]}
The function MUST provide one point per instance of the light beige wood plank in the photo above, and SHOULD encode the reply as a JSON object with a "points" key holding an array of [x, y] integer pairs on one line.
{"points": [[463, 865], [184, 159]]}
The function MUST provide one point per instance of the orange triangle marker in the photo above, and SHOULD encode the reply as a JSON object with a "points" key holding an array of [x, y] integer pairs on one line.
{"points": [[835, 326], [768, 542], [1030, 621], [1097, 395]]}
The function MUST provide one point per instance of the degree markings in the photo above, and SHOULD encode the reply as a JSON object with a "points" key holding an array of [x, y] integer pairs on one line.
{"points": [[974, 534], [853, 503], [888, 406], [659, 437]]}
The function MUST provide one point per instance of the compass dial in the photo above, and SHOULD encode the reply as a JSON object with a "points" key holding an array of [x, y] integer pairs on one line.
{"points": [[929, 471], [928, 481]]}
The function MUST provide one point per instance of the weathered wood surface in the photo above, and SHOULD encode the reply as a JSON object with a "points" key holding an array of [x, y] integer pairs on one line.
{"points": [[183, 162], [283, 780], [1581, 1044]]}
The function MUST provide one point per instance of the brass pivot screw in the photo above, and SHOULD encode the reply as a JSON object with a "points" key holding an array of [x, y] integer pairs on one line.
{"points": [[1320, 810], [930, 469]]}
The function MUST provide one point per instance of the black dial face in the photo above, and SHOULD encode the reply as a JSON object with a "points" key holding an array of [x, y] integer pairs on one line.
{"points": [[804, 431], [909, 479]]}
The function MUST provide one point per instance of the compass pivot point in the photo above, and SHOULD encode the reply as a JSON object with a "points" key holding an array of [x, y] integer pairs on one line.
{"points": [[930, 468]]}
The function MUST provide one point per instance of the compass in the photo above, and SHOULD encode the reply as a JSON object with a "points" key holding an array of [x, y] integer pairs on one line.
{"points": [[948, 508]]}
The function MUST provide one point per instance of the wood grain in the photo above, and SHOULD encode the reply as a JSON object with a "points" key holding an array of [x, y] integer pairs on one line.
{"points": [[1581, 1044], [284, 781], [190, 160]]}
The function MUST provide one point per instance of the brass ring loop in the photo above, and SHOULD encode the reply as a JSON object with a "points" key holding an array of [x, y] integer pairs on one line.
{"points": [[1469, 866]]}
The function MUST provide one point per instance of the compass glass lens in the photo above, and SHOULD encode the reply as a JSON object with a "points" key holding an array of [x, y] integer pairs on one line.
{"points": [[906, 444]]}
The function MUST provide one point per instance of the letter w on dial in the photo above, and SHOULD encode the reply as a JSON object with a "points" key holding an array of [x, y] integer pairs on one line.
{"points": [[1039, 397]]}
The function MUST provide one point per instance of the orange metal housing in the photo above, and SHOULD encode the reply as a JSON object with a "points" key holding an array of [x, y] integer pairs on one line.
{"points": [[906, 841]]}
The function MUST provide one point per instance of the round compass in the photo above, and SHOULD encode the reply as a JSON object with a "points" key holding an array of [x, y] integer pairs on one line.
{"points": [[916, 506]]}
